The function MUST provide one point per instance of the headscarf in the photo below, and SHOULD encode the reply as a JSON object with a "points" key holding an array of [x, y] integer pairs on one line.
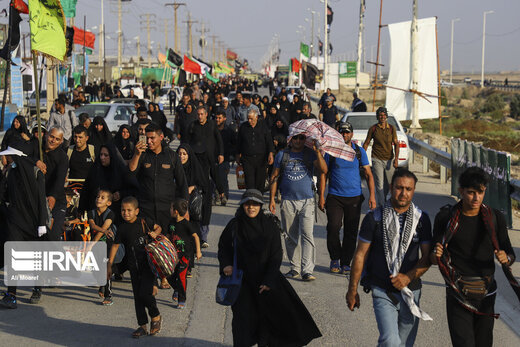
{"points": [[192, 168], [99, 138], [13, 135], [251, 231], [125, 146]]}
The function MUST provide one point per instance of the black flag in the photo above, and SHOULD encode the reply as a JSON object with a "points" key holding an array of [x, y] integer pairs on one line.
{"points": [[13, 38], [69, 37], [320, 47], [174, 58], [330, 48], [309, 73], [330, 14]]}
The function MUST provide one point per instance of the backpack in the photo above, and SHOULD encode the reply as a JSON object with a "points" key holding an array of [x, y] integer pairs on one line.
{"points": [[91, 151]]}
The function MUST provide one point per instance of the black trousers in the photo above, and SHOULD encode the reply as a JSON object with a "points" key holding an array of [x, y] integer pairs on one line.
{"points": [[160, 216], [347, 211], [255, 171], [142, 286], [467, 328], [178, 279]]}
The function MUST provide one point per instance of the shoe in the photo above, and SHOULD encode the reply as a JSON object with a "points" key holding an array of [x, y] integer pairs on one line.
{"points": [[334, 266], [9, 301], [155, 327], [292, 274], [188, 274], [181, 305], [308, 277], [345, 270], [204, 244], [118, 277], [175, 298], [107, 302], [36, 296], [223, 200]]}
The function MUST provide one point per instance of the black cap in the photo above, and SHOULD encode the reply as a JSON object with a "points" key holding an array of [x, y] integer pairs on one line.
{"points": [[345, 127], [252, 194]]}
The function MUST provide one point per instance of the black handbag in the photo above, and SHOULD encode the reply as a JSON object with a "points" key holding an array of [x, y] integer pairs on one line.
{"points": [[195, 205], [228, 287]]}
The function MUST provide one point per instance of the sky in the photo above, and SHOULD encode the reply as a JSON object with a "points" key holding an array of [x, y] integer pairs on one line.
{"points": [[248, 26]]}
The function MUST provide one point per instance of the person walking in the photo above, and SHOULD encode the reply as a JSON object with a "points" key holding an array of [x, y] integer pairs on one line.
{"points": [[344, 200], [384, 160], [468, 237], [295, 166], [63, 118], [358, 105], [389, 242], [329, 113]]}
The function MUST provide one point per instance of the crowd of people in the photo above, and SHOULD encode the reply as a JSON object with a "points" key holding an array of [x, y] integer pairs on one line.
{"points": [[134, 185]]}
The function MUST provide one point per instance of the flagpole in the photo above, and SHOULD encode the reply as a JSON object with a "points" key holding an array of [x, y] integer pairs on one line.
{"points": [[84, 79], [37, 91], [377, 56]]}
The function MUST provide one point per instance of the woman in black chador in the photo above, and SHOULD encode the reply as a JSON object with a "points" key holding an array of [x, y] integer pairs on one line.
{"points": [[268, 312]]}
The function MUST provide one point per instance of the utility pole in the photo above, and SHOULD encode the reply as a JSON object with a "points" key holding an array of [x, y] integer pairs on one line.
{"points": [[165, 33], [360, 42], [138, 38], [119, 34], [213, 56], [189, 23], [101, 35], [177, 42], [451, 52], [484, 47], [202, 41], [149, 27], [326, 50], [415, 72]]}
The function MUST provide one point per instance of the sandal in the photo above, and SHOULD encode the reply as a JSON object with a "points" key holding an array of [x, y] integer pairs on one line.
{"points": [[155, 326], [139, 332], [107, 302], [164, 285], [101, 294]]}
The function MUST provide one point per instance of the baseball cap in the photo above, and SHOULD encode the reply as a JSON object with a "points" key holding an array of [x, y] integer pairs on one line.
{"points": [[252, 194], [345, 127]]}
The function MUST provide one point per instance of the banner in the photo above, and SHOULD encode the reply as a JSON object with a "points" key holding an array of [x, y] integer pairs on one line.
{"points": [[47, 23], [69, 8], [466, 154], [173, 59], [304, 50], [211, 78], [17, 83], [13, 38], [399, 102], [347, 69], [84, 38], [295, 65]]}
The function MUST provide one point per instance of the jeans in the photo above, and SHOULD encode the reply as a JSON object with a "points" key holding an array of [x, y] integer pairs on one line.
{"points": [[344, 210], [383, 171], [396, 324], [468, 328], [298, 221]]}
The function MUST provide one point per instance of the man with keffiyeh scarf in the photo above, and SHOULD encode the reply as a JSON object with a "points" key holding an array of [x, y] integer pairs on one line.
{"points": [[468, 236], [390, 239]]}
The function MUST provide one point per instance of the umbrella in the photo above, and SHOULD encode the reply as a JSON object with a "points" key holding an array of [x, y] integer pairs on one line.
{"points": [[329, 140]]}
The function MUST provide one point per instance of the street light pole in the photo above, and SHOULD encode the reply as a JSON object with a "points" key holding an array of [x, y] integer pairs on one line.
{"points": [[483, 47], [451, 54], [360, 42]]}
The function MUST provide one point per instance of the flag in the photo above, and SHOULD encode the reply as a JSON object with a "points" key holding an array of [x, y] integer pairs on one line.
{"points": [[309, 73], [295, 65], [88, 51], [84, 38], [180, 78], [330, 48], [13, 38], [320, 47], [304, 49], [20, 6], [203, 65], [191, 66], [69, 8], [173, 59], [161, 57], [69, 37], [330, 14], [211, 78], [47, 23], [231, 55]]}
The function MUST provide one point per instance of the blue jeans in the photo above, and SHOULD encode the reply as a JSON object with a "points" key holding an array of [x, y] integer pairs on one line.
{"points": [[397, 325]]}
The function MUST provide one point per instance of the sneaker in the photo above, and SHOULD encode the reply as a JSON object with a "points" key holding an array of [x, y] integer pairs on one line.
{"points": [[36, 296], [175, 298], [204, 244], [181, 305], [223, 200], [345, 270], [308, 277], [334, 266], [9, 301], [292, 274], [107, 302]]}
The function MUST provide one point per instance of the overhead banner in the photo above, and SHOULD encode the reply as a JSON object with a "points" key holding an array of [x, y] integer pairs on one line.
{"points": [[347, 69], [47, 23], [466, 154], [399, 102]]}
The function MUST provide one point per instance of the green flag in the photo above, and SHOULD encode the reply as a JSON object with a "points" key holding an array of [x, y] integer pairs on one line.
{"points": [[304, 49], [47, 23], [88, 51], [211, 78], [69, 8]]}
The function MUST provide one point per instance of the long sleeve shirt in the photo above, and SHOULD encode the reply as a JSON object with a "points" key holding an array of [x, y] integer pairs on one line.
{"points": [[254, 141]]}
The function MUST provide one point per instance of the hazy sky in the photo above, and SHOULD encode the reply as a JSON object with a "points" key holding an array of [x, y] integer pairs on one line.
{"points": [[247, 26]]}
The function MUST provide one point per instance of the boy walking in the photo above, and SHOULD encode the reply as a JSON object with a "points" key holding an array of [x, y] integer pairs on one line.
{"points": [[184, 236], [132, 235], [101, 222]]}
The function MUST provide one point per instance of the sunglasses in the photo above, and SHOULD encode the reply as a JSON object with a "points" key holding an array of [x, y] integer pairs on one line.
{"points": [[299, 137]]}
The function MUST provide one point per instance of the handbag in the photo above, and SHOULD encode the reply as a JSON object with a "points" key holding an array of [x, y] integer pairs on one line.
{"points": [[162, 255], [473, 288], [228, 287], [241, 177], [195, 205]]}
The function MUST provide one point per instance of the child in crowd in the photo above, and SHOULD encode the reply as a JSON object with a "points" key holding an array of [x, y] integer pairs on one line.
{"points": [[132, 234], [71, 216], [183, 235], [101, 223]]}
